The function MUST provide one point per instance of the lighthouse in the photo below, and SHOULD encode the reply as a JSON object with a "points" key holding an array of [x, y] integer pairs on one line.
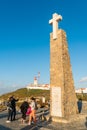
{"points": [[35, 81]]}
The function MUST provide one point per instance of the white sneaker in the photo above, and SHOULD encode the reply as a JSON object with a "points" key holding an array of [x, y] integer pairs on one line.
{"points": [[8, 121]]}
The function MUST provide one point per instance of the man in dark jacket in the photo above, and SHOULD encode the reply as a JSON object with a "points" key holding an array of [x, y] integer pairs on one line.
{"points": [[13, 103]]}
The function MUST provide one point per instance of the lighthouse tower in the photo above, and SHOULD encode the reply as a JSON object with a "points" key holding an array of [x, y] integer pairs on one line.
{"points": [[35, 81]]}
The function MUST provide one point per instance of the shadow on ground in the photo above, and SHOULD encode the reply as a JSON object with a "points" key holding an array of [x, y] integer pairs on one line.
{"points": [[3, 115], [4, 128], [38, 125]]}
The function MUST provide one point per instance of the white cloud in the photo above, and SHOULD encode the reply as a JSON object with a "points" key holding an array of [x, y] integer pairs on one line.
{"points": [[84, 79]]}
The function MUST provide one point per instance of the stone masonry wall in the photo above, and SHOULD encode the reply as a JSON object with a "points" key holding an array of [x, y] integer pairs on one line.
{"points": [[61, 74]]}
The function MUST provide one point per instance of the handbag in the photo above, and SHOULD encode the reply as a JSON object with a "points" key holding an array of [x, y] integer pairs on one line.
{"points": [[28, 111]]}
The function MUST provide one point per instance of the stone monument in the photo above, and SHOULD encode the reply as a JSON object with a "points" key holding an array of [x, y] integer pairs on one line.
{"points": [[62, 95]]}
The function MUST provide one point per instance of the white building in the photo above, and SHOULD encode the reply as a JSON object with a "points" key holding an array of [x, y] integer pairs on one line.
{"points": [[35, 85], [40, 86], [81, 90]]}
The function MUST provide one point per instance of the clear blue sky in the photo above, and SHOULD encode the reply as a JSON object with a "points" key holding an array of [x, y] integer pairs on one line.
{"points": [[25, 40]]}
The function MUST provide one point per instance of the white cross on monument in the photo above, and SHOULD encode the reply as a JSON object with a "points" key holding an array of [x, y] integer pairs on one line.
{"points": [[54, 21]]}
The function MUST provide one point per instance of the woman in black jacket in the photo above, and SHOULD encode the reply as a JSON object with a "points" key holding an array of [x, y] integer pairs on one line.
{"points": [[24, 106]]}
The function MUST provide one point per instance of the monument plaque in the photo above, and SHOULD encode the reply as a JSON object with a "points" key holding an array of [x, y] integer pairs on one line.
{"points": [[56, 104]]}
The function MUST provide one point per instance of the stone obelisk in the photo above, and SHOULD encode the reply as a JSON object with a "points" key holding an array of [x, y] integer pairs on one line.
{"points": [[62, 94]]}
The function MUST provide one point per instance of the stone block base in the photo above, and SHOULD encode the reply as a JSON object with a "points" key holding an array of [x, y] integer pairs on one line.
{"points": [[57, 119]]}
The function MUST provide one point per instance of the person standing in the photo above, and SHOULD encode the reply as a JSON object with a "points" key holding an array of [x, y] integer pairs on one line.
{"points": [[13, 102], [33, 111], [10, 110], [24, 106], [79, 103]]}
